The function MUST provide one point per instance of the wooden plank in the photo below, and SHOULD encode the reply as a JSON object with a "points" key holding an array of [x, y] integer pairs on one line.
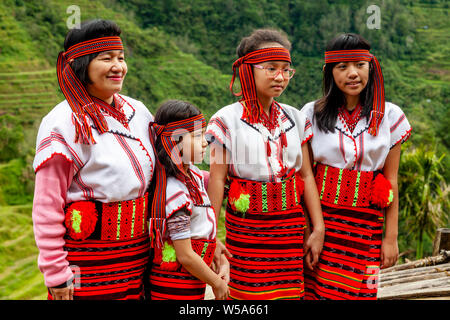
{"points": [[429, 261], [441, 241], [445, 268], [440, 293], [400, 290]]}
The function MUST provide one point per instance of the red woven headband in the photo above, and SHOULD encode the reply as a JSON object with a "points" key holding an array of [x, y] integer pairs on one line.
{"points": [[78, 98], [378, 94], [167, 133], [252, 106]]}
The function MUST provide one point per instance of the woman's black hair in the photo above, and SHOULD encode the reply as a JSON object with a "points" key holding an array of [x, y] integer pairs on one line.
{"points": [[88, 30], [326, 108], [259, 37], [171, 111]]}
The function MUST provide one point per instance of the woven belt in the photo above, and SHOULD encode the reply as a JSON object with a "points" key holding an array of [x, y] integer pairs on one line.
{"points": [[122, 220], [204, 248], [348, 187], [270, 196]]}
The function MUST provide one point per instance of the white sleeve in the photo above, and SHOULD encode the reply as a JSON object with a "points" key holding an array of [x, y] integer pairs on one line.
{"points": [[400, 128]]}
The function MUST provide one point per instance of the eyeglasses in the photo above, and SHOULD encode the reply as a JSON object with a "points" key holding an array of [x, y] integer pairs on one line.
{"points": [[273, 72]]}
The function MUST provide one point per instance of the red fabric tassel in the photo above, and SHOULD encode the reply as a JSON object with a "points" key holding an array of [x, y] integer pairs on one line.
{"points": [[234, 193], [268, 150], [80, 220], [283, 139], [382, 194]]}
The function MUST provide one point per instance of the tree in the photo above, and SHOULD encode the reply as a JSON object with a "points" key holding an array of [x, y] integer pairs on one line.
{"points": [[423, 192]]}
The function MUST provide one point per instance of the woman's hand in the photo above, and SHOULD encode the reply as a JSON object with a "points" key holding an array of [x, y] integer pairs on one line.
{"points": [[220, 250], [220, 289], [62, 293], [224, 269], [313, 247], [389, 252]]}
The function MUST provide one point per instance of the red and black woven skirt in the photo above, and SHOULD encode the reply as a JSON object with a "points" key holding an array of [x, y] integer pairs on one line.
{"points": [[265, 237], [108, 248], [175, 282], [350, 260]]}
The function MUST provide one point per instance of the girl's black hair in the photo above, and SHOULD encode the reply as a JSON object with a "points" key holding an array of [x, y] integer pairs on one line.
{"points": [[171, 111], [260, 36], [88, 30], [326, 108]]}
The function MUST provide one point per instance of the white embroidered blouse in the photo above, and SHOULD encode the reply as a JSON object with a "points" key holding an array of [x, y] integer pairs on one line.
{"points": [[358, 150], [247, 143], [118, 167], [202, 217]]}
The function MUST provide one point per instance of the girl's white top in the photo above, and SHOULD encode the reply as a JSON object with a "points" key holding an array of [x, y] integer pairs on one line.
{"points": [[246, 143], [358, 150], [202, 217], [118, 167]]}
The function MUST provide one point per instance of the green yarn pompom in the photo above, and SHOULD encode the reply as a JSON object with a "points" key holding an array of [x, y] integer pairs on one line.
{"points": [[168, 253], [243, 203], [76, 221], [391, 197]]}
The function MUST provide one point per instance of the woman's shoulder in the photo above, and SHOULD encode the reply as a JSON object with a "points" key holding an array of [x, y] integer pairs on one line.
{"points": [[175, 187], [230, 111], [308, 109], [392, 108], [290, 109], [137, 104], [196, 171], [60, 114]]}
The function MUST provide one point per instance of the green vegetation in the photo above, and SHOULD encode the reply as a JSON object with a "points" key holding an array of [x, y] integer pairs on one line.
{"points": [[425, 196], [182, 49], [20, 277]]}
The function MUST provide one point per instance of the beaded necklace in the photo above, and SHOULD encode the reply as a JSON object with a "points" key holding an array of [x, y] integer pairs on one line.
{"points": [[279, 168]]}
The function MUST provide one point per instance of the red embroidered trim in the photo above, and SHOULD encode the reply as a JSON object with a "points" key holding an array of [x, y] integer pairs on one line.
{"points": [[307, 138], [122, 220], [270, 196], [404, 137], [184, 205], [51, 157], [351, 188]]}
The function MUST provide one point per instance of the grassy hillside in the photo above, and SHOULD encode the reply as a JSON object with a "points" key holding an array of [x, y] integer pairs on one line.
{"points": [[19, 276], [187, 54]]}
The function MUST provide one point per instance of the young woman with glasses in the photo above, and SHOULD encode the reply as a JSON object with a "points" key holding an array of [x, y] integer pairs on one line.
{"points": [[259, 154]]}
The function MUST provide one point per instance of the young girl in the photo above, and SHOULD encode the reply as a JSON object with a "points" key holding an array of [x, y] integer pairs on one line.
{"points": [[185, 246], [356, 144], [259, 145]]}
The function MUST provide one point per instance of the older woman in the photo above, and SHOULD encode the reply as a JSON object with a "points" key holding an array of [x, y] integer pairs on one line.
{"points": [[94, 163]]}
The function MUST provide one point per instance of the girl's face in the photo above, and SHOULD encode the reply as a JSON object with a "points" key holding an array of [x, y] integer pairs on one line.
{"points": [[351, 77], [193, 146], [107, 72], [268, 87]]}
